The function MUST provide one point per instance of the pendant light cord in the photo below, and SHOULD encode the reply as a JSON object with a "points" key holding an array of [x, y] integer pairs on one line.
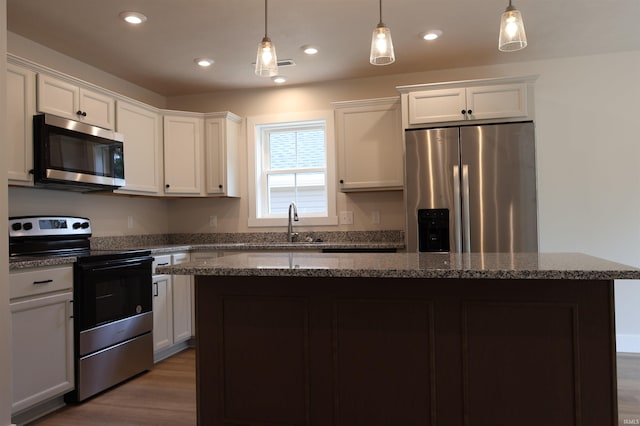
{"points": [[381, 11], [265, 18]]}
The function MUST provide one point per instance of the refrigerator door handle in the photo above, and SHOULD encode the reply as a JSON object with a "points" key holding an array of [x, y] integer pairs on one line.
{"points": [[466, 220], [456, 209]]}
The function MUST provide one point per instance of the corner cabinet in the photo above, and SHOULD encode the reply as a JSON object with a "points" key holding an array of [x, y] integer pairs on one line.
{"points": [[21, 83], [222, 137], [65, 99], [369, 142], [508, 99], [183, 154], [142, 130]]}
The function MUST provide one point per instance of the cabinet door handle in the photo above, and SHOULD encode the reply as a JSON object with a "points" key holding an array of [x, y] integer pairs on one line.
{"points": [[78, 112], [167, 186], [341, 180], [71, 306], [155, 290], [469, 112], [43, 282], [220, 186], [463, 112]]}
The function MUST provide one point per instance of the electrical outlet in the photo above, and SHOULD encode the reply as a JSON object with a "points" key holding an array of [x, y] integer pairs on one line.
{"points": [[213, 221], [346, 218], [129, 222], [375, 217]]}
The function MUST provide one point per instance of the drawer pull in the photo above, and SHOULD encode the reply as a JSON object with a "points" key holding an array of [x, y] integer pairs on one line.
{"points": [[162, 264], [43, 282]]}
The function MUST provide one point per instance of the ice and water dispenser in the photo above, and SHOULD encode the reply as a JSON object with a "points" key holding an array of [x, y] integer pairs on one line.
{"points": [[433, 230]]}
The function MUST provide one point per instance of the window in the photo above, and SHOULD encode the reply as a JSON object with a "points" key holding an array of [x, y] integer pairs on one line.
{"points": [[290, 160]]}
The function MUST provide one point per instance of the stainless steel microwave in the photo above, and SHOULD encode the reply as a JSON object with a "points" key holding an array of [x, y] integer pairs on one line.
{"points": [[76, 156]]}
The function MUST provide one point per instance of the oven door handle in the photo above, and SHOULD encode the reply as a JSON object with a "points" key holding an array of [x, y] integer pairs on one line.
{"points": [[118, 266]]}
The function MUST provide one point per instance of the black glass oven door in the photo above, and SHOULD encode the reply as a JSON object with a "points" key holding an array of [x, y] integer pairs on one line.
{"points": [[110, 291]]}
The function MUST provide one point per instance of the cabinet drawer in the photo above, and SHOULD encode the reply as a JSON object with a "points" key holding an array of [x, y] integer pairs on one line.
{"points": [[164, 260], [39, 281]]}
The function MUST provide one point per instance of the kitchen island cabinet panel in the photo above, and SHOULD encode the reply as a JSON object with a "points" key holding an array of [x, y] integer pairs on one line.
{"points": [[380, 351]]}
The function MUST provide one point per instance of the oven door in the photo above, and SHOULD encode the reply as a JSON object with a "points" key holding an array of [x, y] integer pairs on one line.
{"points": [[108, 291]]}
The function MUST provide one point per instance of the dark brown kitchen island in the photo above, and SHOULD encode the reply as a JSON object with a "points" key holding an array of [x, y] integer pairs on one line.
{"points": [[406, 339]]}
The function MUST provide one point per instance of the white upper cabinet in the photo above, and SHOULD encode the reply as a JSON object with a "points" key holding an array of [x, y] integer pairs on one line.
{"points": [[369, 141], [68, 100], [21, 84], [504, 99], [183, 154], [222, 134], [142, 130]]}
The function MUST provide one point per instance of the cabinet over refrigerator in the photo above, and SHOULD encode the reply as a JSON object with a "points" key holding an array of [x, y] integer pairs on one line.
{"points": [[471, 189]]}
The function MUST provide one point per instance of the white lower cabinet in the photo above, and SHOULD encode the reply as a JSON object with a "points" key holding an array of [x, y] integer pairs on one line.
{"points": [[41, 336], [172, 308]]}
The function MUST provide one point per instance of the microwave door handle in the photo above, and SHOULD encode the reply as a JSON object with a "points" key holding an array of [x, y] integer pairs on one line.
{"points": [[457, 213]]}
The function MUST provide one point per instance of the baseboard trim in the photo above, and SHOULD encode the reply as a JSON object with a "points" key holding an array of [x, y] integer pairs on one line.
{"points": [[628, 343]]}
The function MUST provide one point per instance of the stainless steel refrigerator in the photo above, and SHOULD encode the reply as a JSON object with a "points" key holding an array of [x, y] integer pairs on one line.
{"points": [[471, 189]]}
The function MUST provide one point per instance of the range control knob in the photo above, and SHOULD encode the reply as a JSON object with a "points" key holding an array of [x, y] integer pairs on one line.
{"points": [[16, 226], [76, 225], [85, 225], [27, 226]]}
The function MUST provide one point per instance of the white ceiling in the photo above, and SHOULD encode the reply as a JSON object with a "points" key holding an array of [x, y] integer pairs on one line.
{"points": [[158, 55]]}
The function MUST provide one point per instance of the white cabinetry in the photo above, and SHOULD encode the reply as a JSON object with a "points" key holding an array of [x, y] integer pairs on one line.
{"points": [[504, 99], [181, 301], [172, 308], [142, 130], [41, 335], [369, 139], [183, 154], [21, 84], [222, 133], [64, 99]]}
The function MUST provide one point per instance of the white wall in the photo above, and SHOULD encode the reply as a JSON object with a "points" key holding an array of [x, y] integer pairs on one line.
{"points": [[588, 156], [42, 55], [108, 213], [5, 328]]}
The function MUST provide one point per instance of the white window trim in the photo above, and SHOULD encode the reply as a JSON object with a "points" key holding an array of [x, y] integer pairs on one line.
{"points": [[253, 136]]}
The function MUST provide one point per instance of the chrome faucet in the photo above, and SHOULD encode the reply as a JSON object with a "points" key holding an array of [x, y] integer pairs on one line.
{"points": [[290, 234]]}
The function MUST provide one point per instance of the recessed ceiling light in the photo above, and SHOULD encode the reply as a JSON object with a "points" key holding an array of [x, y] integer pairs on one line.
{"points": [[309, 50], [279, 79], [204, 62], [133, 17], [431, 35]]}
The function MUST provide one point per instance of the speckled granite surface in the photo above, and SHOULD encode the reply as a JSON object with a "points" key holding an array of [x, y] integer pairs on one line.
{"points": [[257, 239], [174, 243], [562, 266]]}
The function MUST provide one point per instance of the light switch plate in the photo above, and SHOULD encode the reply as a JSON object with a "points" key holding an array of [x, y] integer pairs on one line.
{"points": [[213, 221], [346, 218], [375, 217]]}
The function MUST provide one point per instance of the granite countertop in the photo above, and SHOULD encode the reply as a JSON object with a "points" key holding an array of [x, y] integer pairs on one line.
{"points": [[158, 249], [566, 266]]}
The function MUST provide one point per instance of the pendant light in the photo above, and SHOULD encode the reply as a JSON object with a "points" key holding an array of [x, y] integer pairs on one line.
{"points": [[381, 44], [512, 36], [266, 60]]}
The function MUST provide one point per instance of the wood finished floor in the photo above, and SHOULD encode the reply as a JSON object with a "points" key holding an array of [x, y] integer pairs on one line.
{"points": [[167, 396]]}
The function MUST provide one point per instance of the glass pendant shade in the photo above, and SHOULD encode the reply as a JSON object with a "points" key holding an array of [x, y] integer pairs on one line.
{"points": [[381, 46], [512, 36], [266, 60]]}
